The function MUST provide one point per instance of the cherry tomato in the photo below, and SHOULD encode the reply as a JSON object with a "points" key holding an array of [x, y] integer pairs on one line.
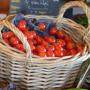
{"points": [[33, 32], [42, 54], [53, 30], [51, 39], [38, 39], [44, 43], [14, 40], [45, 37], [7, 35], [68, 53], [59, 53], [64, 51], [22, 25], [40, 48], [67, 38], [6, 40], [57, 46], [31, 44], [50, 54], [19, 47], [51, 48], [70, 45], [60, 34], [34, 42], [30, 34], [73, 51], [61, 42], [80, 47], [41, 26]]}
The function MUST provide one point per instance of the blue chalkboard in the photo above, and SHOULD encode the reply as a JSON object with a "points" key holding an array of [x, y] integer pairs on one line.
{"points": [[42, 7], [38, 7]]}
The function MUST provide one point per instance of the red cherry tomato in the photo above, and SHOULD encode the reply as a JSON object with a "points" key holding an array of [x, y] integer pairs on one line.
{"points": [[68, 53], [31, 44], [38, 39], [20, 47], [57, 46], [34, 42], [64, 51], [14, 40], [80, 47], [53, 30], [6, 41], [30, 34], [67, 38], [7, 35], [51, 48], [57, 53], [40, 48], [61, 42], [45, 37], [50, 54], [60, 34], [41, 26], [42, 54], [33, 32], [22, 25], [70, 45], [60, 53], [73, 51], [44, 43], [27, 35], [51, 39]]}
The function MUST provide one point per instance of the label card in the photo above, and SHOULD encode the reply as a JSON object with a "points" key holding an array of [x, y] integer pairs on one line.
{"points": [[37, 7]]}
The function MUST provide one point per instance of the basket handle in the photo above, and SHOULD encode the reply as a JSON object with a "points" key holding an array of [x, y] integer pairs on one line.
{"points": [[20, 35], [87, 38], [84, 31], [73, 4]]}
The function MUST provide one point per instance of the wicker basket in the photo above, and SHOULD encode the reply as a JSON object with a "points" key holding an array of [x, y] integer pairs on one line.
{"points": [[42, 73]]}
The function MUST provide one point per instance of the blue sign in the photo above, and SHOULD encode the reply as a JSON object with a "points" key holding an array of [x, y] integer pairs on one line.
{"points": [[40, 7]]}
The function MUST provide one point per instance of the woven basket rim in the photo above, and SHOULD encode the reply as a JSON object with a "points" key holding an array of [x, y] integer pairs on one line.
{"points": [[8, 24], [42, 60]]}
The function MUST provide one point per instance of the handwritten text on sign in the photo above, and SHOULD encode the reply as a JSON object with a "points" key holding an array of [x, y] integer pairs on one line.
{"points": [[46, 7]]}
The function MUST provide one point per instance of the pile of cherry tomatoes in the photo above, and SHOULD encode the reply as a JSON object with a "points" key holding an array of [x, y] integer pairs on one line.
{"points": [[52, 42]]}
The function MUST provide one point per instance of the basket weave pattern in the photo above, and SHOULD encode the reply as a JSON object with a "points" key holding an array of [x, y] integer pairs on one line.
{"points": [[36, 73]]}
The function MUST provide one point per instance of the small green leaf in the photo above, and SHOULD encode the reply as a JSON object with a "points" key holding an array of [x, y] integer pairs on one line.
{"points": [[81, 19]]}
